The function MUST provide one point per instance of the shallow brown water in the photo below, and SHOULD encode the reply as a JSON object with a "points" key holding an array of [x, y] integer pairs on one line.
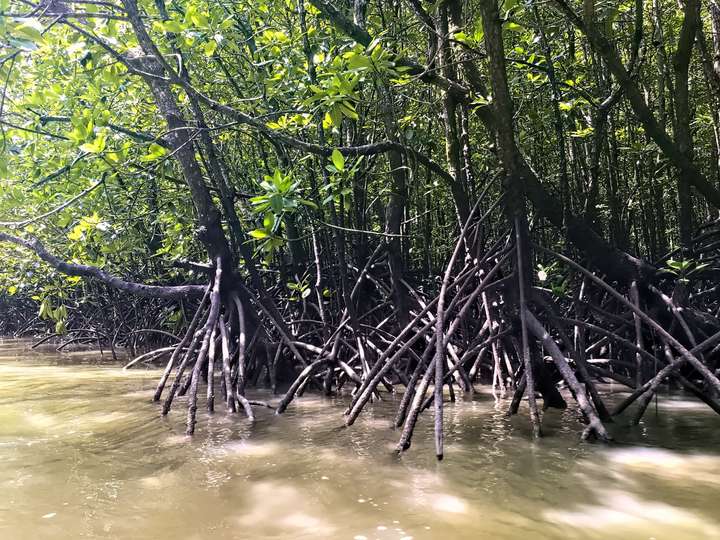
{"points": [[85, 454]]}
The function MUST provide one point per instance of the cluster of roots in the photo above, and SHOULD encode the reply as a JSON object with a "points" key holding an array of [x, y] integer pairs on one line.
{"points": [[485, 323]]}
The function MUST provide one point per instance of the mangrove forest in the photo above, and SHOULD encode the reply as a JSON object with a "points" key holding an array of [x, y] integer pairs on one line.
{"points": [[389, 205]]}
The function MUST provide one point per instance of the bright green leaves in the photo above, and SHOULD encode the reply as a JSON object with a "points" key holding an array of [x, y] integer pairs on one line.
{"points": [[337, 97], [513, 27], [113, 74], [94, 239], [300, 290], [83, 127], [88, 226], [275, 36], [74, 101], [374, 59], [58, 314], [481, 101], [333, 117], [155, 151], [335, 189], [288, 122], [269, 234], [30, 29], [97, 145], [259, 234], [461, 37], [25, 34], [582, 133], [171, 26], [210, 47], [684, 269], [45, 96], [196, 16], [338, 160], [280, 197], [276, 187], [198, 29], [336, 94], [274, 41], [45, 309]]}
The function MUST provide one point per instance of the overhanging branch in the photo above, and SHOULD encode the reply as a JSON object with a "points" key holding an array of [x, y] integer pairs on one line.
{"points": [[173, 292]]}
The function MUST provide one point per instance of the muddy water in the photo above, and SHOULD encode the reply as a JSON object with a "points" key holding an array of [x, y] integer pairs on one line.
{"points": [[85, 454]]}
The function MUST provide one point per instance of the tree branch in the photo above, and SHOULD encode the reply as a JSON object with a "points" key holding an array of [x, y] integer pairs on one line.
{"points": [[82, 270]]}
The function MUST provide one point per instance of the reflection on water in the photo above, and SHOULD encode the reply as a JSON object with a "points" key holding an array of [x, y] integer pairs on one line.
{"points": [[85, 454], [622, 511]]}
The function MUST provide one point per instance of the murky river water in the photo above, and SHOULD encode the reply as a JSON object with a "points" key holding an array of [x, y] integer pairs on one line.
{"points": [[85, 454]]}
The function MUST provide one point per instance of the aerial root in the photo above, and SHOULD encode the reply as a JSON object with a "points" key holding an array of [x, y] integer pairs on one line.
{"points": [[474, 329]]}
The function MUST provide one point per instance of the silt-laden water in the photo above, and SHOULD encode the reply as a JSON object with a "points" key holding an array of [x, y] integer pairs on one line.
{"points": [[85, 454]]}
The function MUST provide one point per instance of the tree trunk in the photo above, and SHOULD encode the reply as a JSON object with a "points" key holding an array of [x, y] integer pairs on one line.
{"points": [[683, 138]]}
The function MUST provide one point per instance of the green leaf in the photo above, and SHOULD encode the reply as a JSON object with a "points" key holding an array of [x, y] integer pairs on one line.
{"points": [[480, 101], [154, 152], [96, 146], [462, 37], [336, 116], [338, 160], [479, 33], [259, 234], [277, 178], [45, 309], [327, 121], [76, 233], [173, 26], [582, 133], [30, 29], [60, 313], [276, 203], [308, 203], [348, 109], [210, 47]]}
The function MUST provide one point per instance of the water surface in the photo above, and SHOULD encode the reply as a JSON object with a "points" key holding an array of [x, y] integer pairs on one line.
{"points": [[84, 454]]}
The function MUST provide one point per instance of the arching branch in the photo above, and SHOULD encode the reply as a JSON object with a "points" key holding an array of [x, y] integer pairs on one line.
{"points": [[93, 272]]}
